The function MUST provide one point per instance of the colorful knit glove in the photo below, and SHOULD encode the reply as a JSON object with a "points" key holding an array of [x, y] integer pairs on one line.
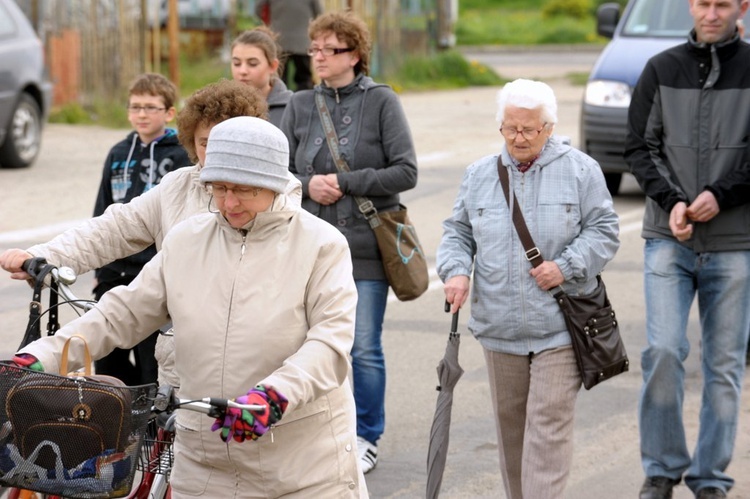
{"points": [[241, 424], [28, 361]]}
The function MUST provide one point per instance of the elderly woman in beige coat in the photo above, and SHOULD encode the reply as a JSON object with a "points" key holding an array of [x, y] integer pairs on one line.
{"points": [[262, 299], [126, 229]]}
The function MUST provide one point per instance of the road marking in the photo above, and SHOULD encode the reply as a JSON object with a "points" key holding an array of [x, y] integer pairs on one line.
{"points": [[432, 157], [44, 233]]}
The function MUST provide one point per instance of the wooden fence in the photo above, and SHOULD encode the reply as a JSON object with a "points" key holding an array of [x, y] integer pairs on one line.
{"points": [[96, 47]]}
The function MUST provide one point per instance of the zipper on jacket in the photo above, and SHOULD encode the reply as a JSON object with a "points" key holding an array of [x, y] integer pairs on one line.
{"points": [[244, 239], [336, 93]]}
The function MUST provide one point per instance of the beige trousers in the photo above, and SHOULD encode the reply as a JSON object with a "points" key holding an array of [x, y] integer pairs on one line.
{"points": [[534, 398]]}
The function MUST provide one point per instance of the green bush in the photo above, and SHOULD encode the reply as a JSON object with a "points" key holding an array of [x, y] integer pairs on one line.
{"points": [[443, 70], [495, 4], [568, 30], [71, 114], [577, 9]]}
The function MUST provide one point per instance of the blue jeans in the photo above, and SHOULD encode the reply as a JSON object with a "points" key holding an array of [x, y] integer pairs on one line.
{"points": [[368, 362], [673, 276]]}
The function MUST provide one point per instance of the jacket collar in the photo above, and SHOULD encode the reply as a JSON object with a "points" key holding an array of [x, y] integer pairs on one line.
{"points": [[724, 50], [282, 209], [553, 149], [360, 82]]}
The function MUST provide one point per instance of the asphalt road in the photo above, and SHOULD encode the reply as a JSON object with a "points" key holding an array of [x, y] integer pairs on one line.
{"points": [[451, 129]]}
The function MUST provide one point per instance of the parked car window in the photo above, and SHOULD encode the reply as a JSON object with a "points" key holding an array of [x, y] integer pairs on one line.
{"points": [[662, 19]]}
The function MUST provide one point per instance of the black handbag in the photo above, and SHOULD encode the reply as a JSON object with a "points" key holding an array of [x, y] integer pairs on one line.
{"points": [[590, 319], [404, 262]]}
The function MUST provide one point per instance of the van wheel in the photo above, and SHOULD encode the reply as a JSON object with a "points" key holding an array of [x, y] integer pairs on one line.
{"points": [[613, 182], [24, 135]]}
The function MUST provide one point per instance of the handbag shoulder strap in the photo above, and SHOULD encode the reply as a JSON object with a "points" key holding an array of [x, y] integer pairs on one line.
{"points": [[533, 254], [365, 205]]}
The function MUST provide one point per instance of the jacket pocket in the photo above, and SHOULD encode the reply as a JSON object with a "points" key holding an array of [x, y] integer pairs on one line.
{"points": [[558, 218], [308, 448], [189, 477], [491, 230]]}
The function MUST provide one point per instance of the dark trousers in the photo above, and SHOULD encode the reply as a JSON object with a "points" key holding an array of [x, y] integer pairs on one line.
{"points": [[117, 363], [302, 74]]}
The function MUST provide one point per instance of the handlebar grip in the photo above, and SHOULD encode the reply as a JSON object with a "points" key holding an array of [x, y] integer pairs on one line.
{"points": [[222, 404], [217, 402], [32, 266], [165, 399]]}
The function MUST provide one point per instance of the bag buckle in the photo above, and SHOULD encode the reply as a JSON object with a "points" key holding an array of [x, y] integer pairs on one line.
{"points": [[370, 213], [533, 253]]}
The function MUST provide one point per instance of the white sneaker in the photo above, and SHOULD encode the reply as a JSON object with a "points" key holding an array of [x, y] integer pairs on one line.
{"points": [[368, 455]]}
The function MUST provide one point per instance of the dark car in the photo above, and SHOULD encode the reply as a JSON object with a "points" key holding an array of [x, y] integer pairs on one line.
{"points": [[25, 91], [647, 27]]}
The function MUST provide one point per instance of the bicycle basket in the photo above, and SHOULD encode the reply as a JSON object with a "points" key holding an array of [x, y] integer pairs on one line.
{"points": [[70, 436], [156, 454]]}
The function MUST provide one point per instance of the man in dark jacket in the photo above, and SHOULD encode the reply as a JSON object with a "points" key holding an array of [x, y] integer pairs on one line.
{"points": [[687, 146]]}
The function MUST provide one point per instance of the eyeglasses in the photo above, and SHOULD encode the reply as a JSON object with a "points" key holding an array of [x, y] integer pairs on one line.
{"points": [[241, 193], [510, 133], [327, 51], [148, 109]]}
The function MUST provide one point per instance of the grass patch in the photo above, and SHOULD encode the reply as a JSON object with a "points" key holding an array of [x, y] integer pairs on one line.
{"points": [[577, 78], [100, 112], [70, 114], [197, 73], [504, 26], [444, 70]]}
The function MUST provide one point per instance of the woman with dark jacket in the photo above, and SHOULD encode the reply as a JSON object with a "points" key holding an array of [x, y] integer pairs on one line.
{"points": [[375, 141]]}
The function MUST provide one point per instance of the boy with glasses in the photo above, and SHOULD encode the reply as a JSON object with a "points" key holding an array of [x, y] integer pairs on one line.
{"points": [[133, 166]]}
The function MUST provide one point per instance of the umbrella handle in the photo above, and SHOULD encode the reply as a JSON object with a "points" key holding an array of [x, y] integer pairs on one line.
{"points": [[454, 321]]}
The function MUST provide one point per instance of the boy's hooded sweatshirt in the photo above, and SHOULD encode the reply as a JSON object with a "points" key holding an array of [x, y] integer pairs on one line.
{"points": [[132, 168]]}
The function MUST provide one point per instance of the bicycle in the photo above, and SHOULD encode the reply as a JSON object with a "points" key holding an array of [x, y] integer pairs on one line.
{"points": [[155, 458]]}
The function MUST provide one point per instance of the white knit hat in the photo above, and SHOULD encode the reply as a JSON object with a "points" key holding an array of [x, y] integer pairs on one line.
{"points": [[247, 151]]}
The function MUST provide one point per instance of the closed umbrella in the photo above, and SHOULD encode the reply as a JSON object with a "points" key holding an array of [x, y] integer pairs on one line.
{"points": [[449, 372]]}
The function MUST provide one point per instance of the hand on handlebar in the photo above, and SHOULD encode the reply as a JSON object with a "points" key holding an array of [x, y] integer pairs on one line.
{"points": [[11, 260], [27, 361], [242, 424]]}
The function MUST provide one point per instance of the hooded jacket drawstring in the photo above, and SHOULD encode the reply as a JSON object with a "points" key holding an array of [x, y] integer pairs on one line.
{"points": [[153, 144], [127, 165], [150, 183]]}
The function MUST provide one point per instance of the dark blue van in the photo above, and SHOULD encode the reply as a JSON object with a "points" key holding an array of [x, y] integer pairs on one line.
{"points": [[645, 28]]}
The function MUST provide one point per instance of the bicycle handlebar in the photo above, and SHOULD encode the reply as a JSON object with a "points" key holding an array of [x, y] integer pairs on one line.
{"points": [[38, 269], [208, 404], [167, 401]]}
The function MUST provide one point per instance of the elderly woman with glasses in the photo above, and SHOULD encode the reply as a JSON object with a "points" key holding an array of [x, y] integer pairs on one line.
{"points": [[125, 229], [533, 376], [373, 139], [263, 301]]}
